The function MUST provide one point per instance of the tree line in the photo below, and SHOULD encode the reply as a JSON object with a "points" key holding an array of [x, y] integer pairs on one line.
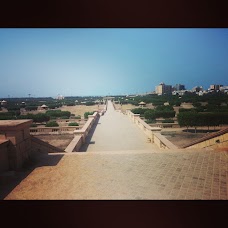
{"points": [[194, 119]]}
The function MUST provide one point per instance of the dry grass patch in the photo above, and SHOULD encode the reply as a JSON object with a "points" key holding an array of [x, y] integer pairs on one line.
{"points": [[81, 109]]}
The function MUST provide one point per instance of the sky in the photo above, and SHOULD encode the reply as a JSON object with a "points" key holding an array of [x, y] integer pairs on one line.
{"points": [[90, 62]]}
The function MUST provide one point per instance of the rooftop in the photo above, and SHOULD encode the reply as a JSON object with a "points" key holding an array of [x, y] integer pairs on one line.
{"points": [[9, 124]]}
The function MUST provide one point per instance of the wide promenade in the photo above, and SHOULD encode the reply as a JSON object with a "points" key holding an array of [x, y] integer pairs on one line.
{"points": [[118, 163], [115, 132]]}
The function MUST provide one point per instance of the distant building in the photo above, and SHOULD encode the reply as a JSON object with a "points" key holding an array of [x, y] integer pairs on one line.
{"points": [[60, 97], [142, 104], [44, 107], [179, 87], [224, 89], [162, 88], [3, 102], [197, 89], [215, 87], [180, 92]]}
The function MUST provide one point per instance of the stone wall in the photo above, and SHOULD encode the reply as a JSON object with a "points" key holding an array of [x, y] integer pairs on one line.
{"points": [[153, 133], [17, 132], [80, 135], [4, 160], [39, 146]]}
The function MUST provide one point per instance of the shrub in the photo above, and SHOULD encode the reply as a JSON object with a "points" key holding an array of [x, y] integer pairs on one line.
{"points": [[73, 124], [150, 115], [140, 111], [70, 104], [7, 117], [186, 110], [168, 121], [31, 108], [58, 113], [164, 108], [196, 104], [89, 103], [87, 113], [52, 124], [150, 121], [33, 125], [177, 103], [64, 117]]}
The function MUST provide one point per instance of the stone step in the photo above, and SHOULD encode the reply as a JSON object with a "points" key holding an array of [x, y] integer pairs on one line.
{"points": [[122, 152]]}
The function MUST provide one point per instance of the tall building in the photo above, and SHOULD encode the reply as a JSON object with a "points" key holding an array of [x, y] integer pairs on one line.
{"points": [[179, 87], [215, 87], [162, 88]]}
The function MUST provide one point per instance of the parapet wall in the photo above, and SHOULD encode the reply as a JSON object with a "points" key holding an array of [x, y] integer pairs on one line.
{"points": [[214, 140], [153, 133], [19, 145], [80, 135]]}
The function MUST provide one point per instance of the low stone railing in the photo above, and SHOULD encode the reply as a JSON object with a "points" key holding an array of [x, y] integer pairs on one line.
{"points": [[102, 111], [153, 133], [53, 130], [80, 135], [165, 125], [69, 120]]}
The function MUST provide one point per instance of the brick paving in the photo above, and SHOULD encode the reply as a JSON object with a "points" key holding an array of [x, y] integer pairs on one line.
{"points": [[124, 166], [130, 175]]}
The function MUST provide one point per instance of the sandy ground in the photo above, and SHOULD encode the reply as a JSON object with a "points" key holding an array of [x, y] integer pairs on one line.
{"points": [[180, 136], [81, 109], [125, 107]]}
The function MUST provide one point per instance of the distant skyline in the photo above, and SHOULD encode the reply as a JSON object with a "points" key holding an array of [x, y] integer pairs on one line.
{"points": [[83, 62]]}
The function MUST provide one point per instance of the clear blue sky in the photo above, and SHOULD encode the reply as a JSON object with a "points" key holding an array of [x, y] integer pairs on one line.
{"points": [[71, 62]]}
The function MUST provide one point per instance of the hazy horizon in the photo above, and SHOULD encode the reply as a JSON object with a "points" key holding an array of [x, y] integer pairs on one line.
{"points": [[99, 62]]}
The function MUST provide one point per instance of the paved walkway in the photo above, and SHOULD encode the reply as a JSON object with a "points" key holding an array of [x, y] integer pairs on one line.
{"points": [[128, 175], [120, 164], [115, 132]]}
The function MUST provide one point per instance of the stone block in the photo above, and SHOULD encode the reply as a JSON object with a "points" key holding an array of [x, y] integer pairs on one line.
{"points": [[4, 160], [15, 136], [26, 133]]}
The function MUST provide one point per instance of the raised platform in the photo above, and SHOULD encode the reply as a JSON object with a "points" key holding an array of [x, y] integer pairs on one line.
{"points": [[199, 174]]}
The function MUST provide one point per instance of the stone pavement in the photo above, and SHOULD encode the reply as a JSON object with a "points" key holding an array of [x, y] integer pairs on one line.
{"points": [[120, 164], [199, 174], [116, 132]]}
